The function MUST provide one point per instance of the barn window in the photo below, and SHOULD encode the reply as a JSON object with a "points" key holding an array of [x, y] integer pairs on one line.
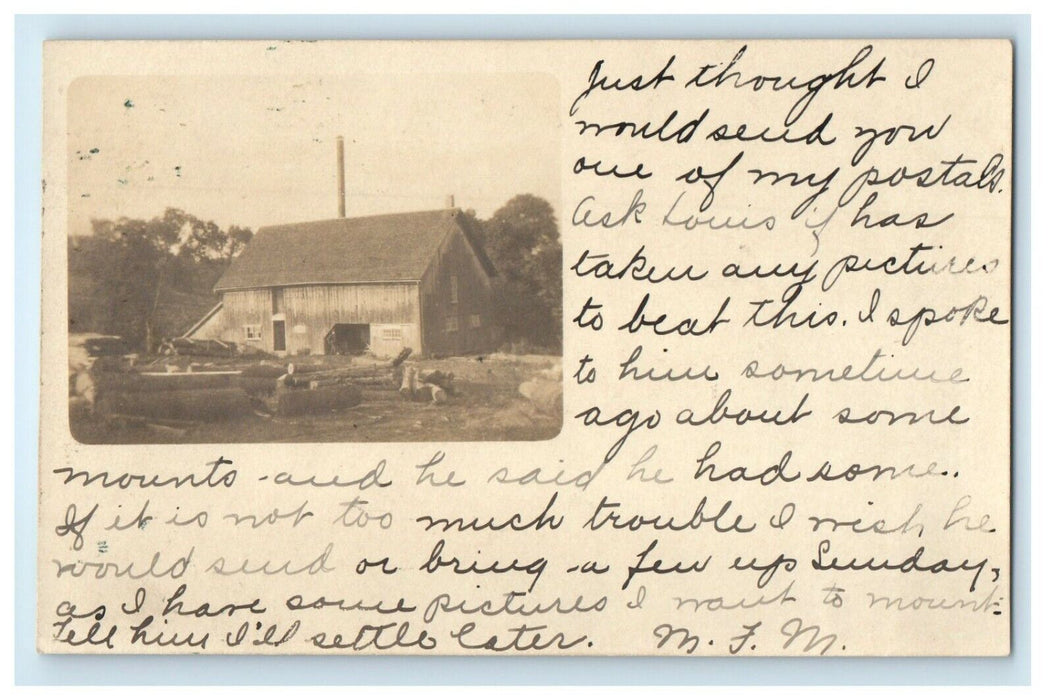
{"points": [[393, 334], [474, 321], [453, 289], [252, 332], [451, 324]]}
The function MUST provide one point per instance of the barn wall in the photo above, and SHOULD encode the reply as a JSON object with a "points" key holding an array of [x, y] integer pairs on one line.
{"points": [[246, 308], [448, 327], [310, 311], [212, 329]]}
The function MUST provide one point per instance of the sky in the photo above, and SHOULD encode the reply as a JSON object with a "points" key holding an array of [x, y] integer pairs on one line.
{"points": [[254, 151]]}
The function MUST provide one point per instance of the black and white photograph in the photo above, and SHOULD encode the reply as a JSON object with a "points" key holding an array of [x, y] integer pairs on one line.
{"points": [[361, 258]]}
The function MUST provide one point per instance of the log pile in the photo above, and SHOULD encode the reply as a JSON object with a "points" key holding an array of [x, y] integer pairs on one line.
{"points": [[314, 378], [159, 394], [412, 382], [254, 384], [165, 392], [293, 402], [139, 382], [426, 385], [177, 405], [415, 388]]}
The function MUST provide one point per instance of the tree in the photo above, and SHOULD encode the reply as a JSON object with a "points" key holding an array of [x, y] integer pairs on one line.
{"points": [[522, 239], [204, 240], [132, 262]]}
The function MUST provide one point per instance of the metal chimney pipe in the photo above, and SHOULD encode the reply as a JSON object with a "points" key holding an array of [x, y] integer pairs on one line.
{"points": [[449, 201], [341, 208]]}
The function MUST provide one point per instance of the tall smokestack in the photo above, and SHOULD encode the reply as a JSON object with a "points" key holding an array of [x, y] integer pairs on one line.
{"points": [[341, 209], [449, 201]]}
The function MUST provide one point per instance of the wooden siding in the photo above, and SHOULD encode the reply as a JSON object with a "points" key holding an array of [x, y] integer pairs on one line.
{"points": [[251, 307], [212, 328], [440, 313], [310, 311]]}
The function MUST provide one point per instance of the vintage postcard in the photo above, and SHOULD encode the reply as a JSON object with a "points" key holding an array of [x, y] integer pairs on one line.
{"points": [[520, 348]]}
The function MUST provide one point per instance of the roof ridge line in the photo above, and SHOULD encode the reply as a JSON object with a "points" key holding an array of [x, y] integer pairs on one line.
{"points": [[453, 210]]}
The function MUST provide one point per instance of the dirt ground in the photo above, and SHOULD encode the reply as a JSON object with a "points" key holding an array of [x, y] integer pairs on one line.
{"points": [[486, 405]]}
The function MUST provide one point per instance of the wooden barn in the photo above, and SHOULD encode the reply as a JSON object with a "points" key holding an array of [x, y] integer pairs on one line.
{"points": [[353, 285]]}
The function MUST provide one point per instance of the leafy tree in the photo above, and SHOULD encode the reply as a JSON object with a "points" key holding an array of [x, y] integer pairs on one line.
{"points": [[522, 239], [207, 241], [127, 264]]}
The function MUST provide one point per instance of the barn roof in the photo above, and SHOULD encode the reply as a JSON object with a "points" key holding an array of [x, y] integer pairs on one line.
{"points": [[385, 248]]}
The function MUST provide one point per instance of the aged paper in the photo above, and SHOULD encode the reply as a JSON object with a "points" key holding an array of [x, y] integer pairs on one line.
{"points": [[498, 348]]}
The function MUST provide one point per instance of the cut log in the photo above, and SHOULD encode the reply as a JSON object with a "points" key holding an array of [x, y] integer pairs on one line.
{"points": [[256, 386], [442, 379], [307, 401], [106, 346], [375, 381], [414, 388], [343, 374], [325, 381], [434, 392], [203, 348], [194, 405], [177, 381], [404, 353], [379, 381], [110, 364], [293, 368], [192, 369], [269, 371], [409, 383]]}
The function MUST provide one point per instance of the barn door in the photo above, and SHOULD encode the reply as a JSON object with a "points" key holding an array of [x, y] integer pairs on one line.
{"points": [[279, 336]]}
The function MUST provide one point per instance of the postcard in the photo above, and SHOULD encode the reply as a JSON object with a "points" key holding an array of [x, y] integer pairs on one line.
{"points": [[670, 348]]}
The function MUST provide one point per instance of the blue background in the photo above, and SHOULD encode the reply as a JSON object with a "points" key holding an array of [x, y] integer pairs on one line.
{"points": [[31, 668]]}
